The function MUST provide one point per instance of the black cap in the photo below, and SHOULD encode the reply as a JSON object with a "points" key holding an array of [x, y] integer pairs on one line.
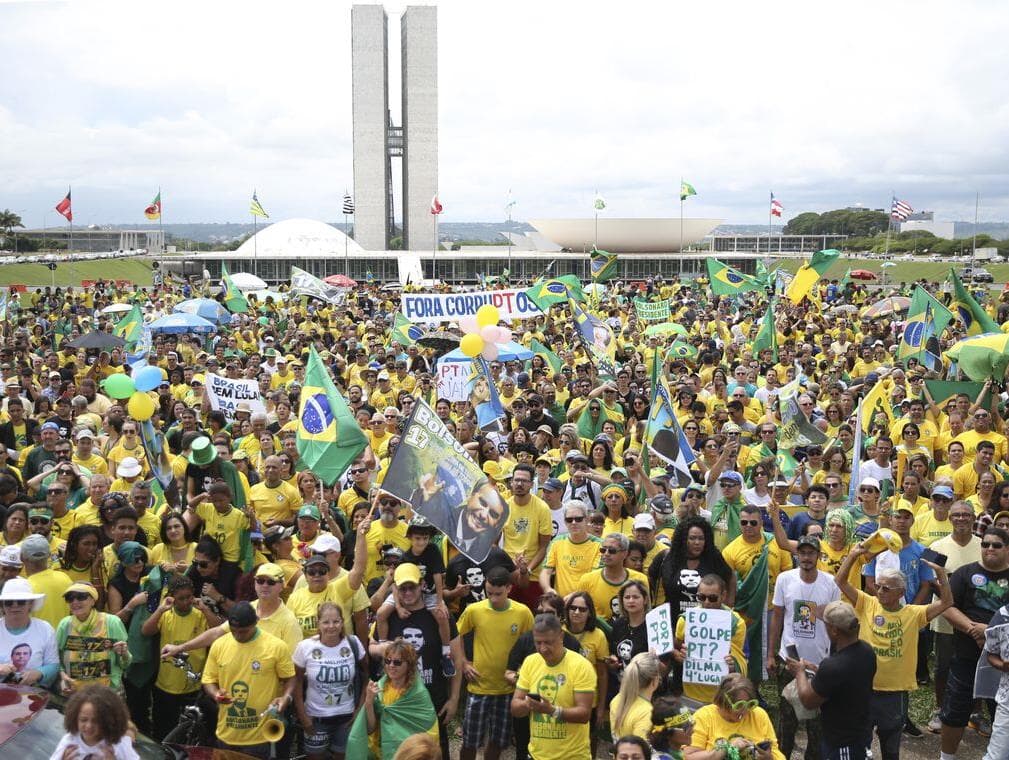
{"points": [[242, 614]]}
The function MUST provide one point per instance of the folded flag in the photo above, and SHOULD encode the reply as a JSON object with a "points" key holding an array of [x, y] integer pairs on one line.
{"points": [[726, 281]]}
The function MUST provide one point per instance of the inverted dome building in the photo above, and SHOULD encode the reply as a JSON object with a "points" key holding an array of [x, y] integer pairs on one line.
{"points": [[298, 238]]}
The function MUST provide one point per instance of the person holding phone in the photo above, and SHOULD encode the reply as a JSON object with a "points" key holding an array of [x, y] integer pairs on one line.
{"points": [[736, 713]]}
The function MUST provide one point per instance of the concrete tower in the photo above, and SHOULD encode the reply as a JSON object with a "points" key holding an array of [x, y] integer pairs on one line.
{"points": [[377, 140]]}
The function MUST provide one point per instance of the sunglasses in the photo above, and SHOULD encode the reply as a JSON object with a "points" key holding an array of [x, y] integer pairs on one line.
{"points": [[203, 564], [573, 608], [610, 550], [833, 485], [709, 598], [749, 522], [15, 602], [267, 581], [393, 662], [728, 483], [358, 470], [575, 519], [77, 596], [39, 521], [388, 502], [316, 572], [743, 704], [886, 589], [991, 545], [867, 489]]}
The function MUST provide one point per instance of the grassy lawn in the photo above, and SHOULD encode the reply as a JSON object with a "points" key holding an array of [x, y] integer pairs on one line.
{"points": [[905, 271], [71, 273]]}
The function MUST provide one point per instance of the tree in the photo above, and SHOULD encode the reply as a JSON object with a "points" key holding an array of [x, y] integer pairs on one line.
{"points": [[8, 221], [857, 223]]}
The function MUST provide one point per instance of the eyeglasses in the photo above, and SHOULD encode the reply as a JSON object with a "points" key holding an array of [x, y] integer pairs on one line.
{"points": [[394, 662], [743, 704], [203, 564], [388, 502], [574, 519], [266, 581], [990, 545], [833, 485], [610, 550], [709, 598], [573, 608], [316, 572], [39, 521], [76, 596]]}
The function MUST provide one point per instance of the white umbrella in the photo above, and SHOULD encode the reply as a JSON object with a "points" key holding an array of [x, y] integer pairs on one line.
{"points": [[117, 308], [246, 281], [263, 294]]}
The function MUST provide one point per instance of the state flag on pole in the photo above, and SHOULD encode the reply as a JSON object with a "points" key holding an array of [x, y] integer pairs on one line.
{"points": [[348, 205], [686, 190], [153, 212], [900, 210], [599, 203], [64, 208], [436, 207], [776, 207], [256, 208]]}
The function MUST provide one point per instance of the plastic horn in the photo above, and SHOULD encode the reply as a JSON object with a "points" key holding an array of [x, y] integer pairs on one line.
{"points": [[273, 727]]}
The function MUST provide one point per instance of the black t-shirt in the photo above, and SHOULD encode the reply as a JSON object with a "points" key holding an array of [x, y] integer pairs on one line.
{"points": [[430, 564], [627, 640], [680, 585], [420, 630], [977, 593], [462, 567], [845, 680]]}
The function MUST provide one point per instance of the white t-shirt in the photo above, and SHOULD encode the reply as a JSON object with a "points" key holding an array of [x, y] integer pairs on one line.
{"points": [[329, 673], [799, 601], [122, 750], [34, 647]]}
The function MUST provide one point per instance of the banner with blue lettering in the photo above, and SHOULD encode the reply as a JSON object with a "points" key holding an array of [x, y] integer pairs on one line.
{"points": [[450, 307]]}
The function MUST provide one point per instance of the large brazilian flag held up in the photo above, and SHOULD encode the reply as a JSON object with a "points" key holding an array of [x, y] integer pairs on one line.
{"points": [[726, 281], [328, 437], [926, 319]]}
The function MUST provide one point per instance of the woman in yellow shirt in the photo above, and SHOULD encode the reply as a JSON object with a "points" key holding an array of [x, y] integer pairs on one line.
{"points": [[631, 709], [176, 551], [735, 713]]}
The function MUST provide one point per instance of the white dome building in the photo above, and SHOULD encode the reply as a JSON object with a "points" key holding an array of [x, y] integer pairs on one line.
{"points": [[298, 238]]}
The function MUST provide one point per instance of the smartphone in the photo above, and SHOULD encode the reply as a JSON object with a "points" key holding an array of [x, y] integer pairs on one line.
{"points": [[535, 697], [764, 745], [934, 557], [793, 652]]}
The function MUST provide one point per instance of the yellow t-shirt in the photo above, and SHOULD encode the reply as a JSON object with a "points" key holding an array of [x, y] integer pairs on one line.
{"points": [[95, 463], [741, 555], [251, 671], [956, 557], [709, 725], [570, 561], [178, 629], [558, 684], [927, 529], [379, 536], [701, 692], [61, 526], [971, 438], [163, 553], [831, 559], [893, 636], [637, 721], [225, 529], [87, 514], [279, 503], [603, 592], [496, 632], [54, 584], [624, 525], [595, 649], [525, 526]]}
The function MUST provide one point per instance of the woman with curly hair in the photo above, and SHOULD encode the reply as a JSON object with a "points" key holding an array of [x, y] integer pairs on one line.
{"points": [[82, 559], [97, 724], [676, 573]]}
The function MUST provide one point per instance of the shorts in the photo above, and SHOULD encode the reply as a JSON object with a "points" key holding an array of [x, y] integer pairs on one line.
{"points": [[487, 715], [328, 733], [958, 699], [943, 653]]}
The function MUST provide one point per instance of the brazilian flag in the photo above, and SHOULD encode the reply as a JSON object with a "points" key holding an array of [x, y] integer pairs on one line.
{"points": [[234, 301], [549, 292], [131, 327], [552, 360], [726, 281], [681, 350], [926, 319], [404, 331], [328, 438], [603, 265], [975, 320], [767, 335]]}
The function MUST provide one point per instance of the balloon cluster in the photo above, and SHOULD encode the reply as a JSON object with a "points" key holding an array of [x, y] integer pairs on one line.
{"points": [[140, 405], [481, 335]]}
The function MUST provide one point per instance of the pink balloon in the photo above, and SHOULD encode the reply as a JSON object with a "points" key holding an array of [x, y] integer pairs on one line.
{"points": [[489, 352], [504, 335], [491, 333], [468, 325]]}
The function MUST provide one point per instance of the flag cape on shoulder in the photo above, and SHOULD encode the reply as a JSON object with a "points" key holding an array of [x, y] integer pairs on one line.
{"points": [[810, 273], [328, 437], [665, 437], [433, 472], [926, 319], [726, 281], [751, 603], [796, 429], [589, 427], [603, 265], [411, 714], [554, 290], [974, 319], [597, 337], [234, 300]]}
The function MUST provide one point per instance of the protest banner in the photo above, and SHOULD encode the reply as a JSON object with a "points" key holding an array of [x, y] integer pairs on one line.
{"points": [[225, 394], [651, 311], [450, 307], [432, 471], [659, 625], [451, 379], [796, 429], [707, 635]]}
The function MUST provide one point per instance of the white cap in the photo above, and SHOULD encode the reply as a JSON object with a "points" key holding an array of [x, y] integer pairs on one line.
{"points": [[871, 482], [129, 468], [644, 521], [327, 542], [10, 556], [85, 434]]}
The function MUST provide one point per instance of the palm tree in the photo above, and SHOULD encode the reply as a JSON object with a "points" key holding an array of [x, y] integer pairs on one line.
{"points": [[8, 221]]}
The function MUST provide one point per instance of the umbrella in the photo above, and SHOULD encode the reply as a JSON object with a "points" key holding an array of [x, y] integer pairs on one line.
{"points": [[892, 305], [665, 328], [207, 308], [245, 281], [118, 308], [888, 264], [982, 357], [862, 274], [181, 322], [439, 340], [96, 339], [507, 352], [340, 281], [845, 308]]}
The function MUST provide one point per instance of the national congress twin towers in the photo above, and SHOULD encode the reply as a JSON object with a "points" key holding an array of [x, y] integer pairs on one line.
{"points": [[377, 140]]}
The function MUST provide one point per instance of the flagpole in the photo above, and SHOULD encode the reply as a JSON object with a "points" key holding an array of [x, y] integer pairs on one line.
{"points": [[509, 233], [595, 234], [434, 246], [346, 245], [70, 221], [681, 223], [161, 231], [770, 206], [973, 252], [255, 248]]}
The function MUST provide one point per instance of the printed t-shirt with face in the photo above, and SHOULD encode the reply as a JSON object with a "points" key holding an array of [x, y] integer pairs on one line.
{"points": [[250, 674], [570, 561], [462, 568], [978, 593], [30, 649], [551, 739], [420, 630], [495, 633], [331, 674], [178, 629], [604, 593], [893, 636], [801, 626]]}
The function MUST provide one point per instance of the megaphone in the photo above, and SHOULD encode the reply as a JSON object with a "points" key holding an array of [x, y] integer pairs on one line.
{"points": [[273, 728]]}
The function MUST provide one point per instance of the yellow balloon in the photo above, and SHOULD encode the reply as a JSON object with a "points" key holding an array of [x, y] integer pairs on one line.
{"points": [[140, 406], [487, 315], [471, 344]]}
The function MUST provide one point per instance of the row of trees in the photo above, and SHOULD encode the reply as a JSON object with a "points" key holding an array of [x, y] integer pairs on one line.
{"points": [[861, 223]]}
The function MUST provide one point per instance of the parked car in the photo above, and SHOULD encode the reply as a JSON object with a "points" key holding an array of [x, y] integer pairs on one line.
{"points": [[982, 275]]}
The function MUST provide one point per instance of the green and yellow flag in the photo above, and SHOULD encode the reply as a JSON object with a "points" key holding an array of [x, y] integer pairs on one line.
{"points": [[404, 331], [809, 274], [328, 437], [552, 360], [603, 265], [726, 281], [686, 190], [874, 407], [130, 327], [974, 319], [234, 301], [256, 208], [554, 290], [926, 319], [767, 335]]}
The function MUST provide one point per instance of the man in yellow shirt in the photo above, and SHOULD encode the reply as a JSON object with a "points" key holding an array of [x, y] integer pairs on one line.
{"points": [[982, 432], [220, 519], [496, 623], [570, 555], [604, 584], [967, 475], [274, 501], [85, 455], [248, 673], [529, 527], [744, 551]]}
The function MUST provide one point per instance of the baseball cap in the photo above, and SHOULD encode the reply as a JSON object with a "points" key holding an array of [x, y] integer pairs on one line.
{"points": [[327, 542], [661, 504], [841, 615], [731, 475], [48, 425], [82, 434], [731, 427], [316, 559], [545, 429], [34, 547], [82, 587], [383, 375], [129, 467], [277, 533], [869, 483], [311, 511], [242, 615], [644, 521], [942, 491], [10, 556], [270, 570], [552, 484], [575, 456], [392, 553], [812, 541], [406, 573]]}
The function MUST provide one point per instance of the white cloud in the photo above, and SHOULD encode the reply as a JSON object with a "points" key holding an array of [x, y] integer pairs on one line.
{"points": [[828, 104]]}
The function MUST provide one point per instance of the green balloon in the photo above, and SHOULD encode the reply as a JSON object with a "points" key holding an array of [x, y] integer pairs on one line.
{"points": [[119, 386]]}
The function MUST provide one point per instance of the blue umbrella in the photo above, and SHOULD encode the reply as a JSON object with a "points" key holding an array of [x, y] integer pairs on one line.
{"points": [[180, 322], [507, 352], [207, 308]]}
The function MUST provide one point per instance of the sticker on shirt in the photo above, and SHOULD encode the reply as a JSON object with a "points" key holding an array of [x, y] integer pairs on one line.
{"points": [[803, 619], [979, 580]]}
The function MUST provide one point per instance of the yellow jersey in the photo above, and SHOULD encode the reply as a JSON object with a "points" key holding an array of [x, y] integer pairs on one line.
{"points": [[178, 629], [549, 738], [570, 561], [495, 633], [893, 636]]}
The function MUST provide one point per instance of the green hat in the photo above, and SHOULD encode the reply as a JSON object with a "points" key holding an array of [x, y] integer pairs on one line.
{"points": [[202, 452], [129, 551], [310, 510], [40, 512], [270, 352]]}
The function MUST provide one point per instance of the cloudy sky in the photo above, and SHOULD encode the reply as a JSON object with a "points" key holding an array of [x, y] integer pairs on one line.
{"points": [[828, 104]]}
